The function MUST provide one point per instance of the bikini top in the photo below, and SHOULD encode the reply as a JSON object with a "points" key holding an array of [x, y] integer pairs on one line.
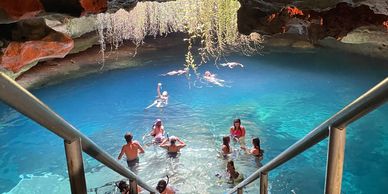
{"points": [[237, 132]]}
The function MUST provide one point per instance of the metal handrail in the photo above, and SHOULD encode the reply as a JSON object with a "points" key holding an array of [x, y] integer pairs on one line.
{"points": [[366, 103], [23, 101]]}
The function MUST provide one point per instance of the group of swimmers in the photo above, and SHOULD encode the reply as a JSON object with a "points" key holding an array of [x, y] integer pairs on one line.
{"points": [[207, 76], [132, 149], [237, 134], [162, 187], [173, 145]]}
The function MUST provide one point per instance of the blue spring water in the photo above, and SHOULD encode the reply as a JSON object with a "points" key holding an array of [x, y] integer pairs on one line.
{"points": [[279, 98]]}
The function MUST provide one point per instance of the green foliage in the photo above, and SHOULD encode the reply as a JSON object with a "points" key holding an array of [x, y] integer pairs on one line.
{"points": [[211, 23]]}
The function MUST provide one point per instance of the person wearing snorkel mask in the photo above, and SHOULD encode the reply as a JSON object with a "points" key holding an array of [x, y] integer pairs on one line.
{"points": [[163, 187], [173, 145], [125, 188]]}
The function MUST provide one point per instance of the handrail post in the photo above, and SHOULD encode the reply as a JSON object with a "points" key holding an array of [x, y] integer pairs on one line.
{"points": [[133, 186], [240, 190], [75, 166], [264, 183], [335, 160]]}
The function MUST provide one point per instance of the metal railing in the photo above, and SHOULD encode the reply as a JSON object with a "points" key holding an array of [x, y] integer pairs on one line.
{"points": [[23, 101], [335, 127]]}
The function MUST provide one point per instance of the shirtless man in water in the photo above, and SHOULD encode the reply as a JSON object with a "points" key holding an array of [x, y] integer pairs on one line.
{"points": [[131, 151]]}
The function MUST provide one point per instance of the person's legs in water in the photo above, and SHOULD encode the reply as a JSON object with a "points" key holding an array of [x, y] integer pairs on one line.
{"points": [[158, 139], [133, 164], [153, 104], [172, 154], [241, 140]]}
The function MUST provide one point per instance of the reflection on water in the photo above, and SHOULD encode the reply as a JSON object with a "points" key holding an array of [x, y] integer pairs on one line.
{"points": [[279, 98]]}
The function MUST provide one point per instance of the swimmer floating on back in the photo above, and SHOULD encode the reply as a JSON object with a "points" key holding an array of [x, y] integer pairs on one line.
{"points": [[161, 100], [176, 72], [231, 64], [211, 78]]}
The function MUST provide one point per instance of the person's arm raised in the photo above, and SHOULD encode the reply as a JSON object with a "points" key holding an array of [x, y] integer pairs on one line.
{"points": [[158, 90], [181, 143], [164, 143]]}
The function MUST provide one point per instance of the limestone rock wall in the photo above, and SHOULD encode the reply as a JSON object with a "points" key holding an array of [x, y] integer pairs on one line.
{"points": [[351, 23], [36, 30]]}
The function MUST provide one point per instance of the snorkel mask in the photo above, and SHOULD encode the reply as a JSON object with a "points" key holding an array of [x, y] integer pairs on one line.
{"points": [[162, 185]]}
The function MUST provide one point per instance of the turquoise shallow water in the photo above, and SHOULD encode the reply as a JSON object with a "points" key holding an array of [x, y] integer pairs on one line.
{"points": [[279, 98]]}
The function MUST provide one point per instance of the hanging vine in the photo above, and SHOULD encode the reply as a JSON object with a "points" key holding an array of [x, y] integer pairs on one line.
{"points": [[211, 23]]}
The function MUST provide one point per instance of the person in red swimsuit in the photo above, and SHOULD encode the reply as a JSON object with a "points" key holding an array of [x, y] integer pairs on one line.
{"points": [[237, 132]]}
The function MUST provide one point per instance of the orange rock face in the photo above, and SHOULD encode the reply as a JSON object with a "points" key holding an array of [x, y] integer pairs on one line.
{"points": [[21, 9], [94, 6], [19, 54], [293, 11], [385, 24]]}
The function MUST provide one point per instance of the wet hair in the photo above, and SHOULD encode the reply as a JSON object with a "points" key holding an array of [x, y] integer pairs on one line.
{"points": [[231, 163], [128, 137], [158, 122], [122, 185], [225, 141], [172, 141], [256, 143], [162, 185], [237, 121]]}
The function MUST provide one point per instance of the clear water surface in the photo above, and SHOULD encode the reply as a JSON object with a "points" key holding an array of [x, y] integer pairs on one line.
{"points": [[279, 98]]}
